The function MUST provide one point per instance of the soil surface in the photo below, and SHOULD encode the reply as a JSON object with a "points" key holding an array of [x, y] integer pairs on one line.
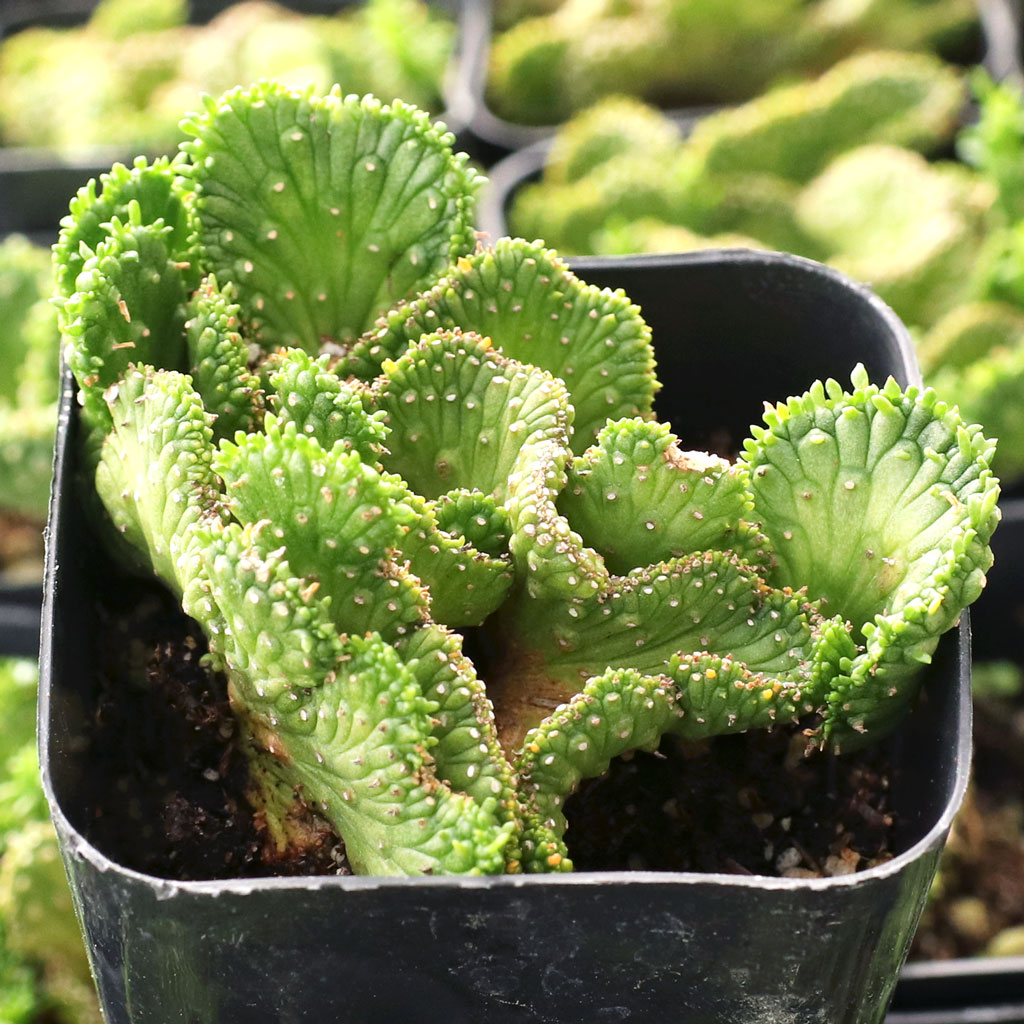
{"points": [[979, 892], [748, 804], [170, 798]]}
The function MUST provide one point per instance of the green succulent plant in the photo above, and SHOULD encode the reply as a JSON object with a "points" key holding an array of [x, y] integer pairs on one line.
{"points": [[977, 354], [915, 230], [354, 443], [901, 99], [649, 234]]}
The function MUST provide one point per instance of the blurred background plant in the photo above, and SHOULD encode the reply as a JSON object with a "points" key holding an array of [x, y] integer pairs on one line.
{"points": [[854, 168], [44, 973], [123, 79], [550, 58], [28, 404]]}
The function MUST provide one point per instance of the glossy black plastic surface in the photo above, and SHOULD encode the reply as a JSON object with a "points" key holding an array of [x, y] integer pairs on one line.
{"points": [[731, 329]]}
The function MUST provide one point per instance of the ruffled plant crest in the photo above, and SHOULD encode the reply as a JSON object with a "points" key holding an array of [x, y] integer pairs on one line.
{"points": [[348, 437]]}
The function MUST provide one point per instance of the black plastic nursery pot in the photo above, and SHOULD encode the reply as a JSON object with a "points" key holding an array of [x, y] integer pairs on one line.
{"points": [[35, 183], [730, 329], [999, 23], [978, 991]]}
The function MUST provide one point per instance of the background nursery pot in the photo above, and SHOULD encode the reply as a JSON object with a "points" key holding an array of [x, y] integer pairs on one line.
{"points": [[576, 947]]}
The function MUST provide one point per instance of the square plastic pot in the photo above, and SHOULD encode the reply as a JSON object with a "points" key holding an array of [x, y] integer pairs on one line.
{"points": [[35, 183], [731, 329], [999, 53]]}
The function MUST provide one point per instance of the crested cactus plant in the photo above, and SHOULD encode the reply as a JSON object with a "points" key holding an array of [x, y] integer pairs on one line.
{"points": [[415, 493], [915, 230]]}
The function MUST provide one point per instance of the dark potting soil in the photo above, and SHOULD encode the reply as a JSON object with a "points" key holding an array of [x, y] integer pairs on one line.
{"points": [[169, 797], [979, 891], [746, 804]]}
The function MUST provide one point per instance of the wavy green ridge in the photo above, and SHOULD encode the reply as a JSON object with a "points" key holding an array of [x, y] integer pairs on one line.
{"points": [[535, 310], [330, 209]]}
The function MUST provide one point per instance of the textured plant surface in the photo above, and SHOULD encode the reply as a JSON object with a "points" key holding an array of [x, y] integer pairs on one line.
{"points": [[124, 77], [355, 444], [44, 974], [555, 57]]}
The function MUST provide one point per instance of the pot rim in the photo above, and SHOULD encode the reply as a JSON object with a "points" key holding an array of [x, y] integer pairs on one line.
{"points": [[77, 846], [968, 967], [909, 369]]}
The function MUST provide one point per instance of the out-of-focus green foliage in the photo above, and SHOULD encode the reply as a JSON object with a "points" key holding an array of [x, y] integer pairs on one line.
{"points": [[119, 19], [28, 323], [989, 387], [606, 130], [124, 78], [901, 99], [997, 679], [43, 967], [650, 235], [995, 142], [554, 58], [914, 230], [18, 706], [740, 170], [29, 378], [968, 333], [835, 170]]}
